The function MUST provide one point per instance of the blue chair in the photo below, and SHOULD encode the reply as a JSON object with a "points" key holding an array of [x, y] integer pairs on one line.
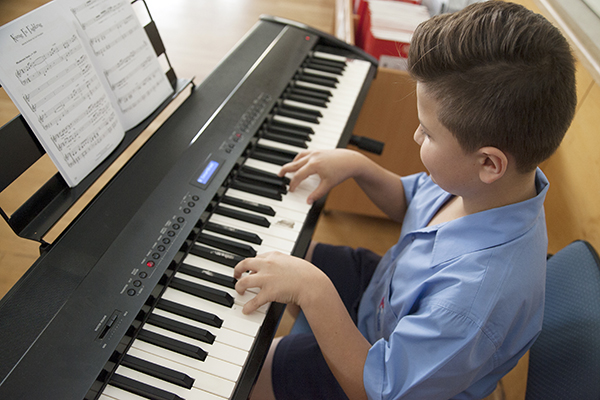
{"points": [[564, 362]]}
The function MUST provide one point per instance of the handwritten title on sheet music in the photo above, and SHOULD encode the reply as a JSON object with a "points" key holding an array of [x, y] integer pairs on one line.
{"points": [[27, 33]]}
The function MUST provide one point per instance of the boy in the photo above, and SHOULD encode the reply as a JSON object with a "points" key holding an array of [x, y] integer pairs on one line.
{"points": [[459, 299]]}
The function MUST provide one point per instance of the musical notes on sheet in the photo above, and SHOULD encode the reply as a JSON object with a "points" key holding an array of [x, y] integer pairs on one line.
{"points": [[125, 56], [81, 72]]}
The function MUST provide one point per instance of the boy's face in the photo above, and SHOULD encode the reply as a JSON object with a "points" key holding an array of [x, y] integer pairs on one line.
{"points": [[449, 166]]}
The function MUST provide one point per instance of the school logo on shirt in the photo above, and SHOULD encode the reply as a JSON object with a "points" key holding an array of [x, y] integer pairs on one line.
{"points": [[380, 314]]}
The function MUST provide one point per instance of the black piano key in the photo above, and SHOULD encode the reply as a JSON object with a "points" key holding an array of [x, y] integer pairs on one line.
{"points": [[242, 216], [304, 110], [174, 345], [312, 92], [222, 257], [204, 292], [248, 205], [250, 237], [158, 371], [286, 153], [257, 190], [272, 155], [142, 389], [286, 139], [307, 100], [289, 132], [209, 276], [262, 180], [325, 68], [189, 312], [241, 249], [318, 80], [179, 327], [285, 180], [327, 61], [297, 114]]}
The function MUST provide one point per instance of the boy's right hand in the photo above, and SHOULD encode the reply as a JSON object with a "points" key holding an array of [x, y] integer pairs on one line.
{"points": [[332, 166]]}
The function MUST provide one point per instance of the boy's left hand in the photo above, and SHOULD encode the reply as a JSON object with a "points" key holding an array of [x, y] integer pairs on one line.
{"points": [[280, 277]]}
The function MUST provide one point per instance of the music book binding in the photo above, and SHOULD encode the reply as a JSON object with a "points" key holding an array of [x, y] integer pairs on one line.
{"points": [[82, 73]]}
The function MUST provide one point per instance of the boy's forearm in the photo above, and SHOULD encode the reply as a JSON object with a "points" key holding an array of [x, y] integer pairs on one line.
{"points": [[384, 188], [343, 346]]}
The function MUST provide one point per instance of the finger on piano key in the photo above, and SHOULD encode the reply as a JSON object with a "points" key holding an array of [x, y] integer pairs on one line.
{"points": [[238, 299], [202, 380], [208, 275], [157, 370], [213, 366], [233, 318], [202, 290], [215, 268], [129, 380]]}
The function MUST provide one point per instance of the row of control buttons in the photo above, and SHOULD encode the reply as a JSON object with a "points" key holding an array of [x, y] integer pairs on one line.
{"points": [[170, 231]]}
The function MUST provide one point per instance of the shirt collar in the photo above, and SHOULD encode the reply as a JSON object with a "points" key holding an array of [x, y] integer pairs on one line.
{"points": [[487, 228]]}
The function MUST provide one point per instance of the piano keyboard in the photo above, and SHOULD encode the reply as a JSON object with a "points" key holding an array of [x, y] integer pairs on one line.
{"points": [[136, 299], [313, 120]]}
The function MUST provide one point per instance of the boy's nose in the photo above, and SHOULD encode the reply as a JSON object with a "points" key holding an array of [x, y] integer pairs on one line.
{"points": [[418, 137]]}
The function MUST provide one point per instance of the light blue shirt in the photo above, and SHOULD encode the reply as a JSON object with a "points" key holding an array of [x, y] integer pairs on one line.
{"points": [[452, 307]]}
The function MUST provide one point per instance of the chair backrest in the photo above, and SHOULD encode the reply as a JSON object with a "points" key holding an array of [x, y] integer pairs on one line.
{"points": [[564, 362]]}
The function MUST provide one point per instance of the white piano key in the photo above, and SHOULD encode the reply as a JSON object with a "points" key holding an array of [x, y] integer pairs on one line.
{"points": [[233, 318], [282, 231], [187, 394], [217, 350], [329, 56], [210, 365], [238, 298], [222, 335], [202, 380], [114, 393], [287, 203]]}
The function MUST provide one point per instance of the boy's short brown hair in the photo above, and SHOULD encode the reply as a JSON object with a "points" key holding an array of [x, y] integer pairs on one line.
{"points": [[504, 77]]}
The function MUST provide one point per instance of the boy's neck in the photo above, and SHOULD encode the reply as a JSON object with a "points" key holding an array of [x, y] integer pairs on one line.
{"points": [[513, 189]]}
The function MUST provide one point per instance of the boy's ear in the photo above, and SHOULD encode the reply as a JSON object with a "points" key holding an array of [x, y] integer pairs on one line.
{"points": [[493, 164]]}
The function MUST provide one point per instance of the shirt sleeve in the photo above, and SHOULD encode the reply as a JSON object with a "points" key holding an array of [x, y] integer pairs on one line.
{"points": [[434, 354], [411, 184]]}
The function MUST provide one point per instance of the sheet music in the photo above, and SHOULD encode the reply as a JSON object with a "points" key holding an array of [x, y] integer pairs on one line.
{"points": [[49, 76], [123, 53]]}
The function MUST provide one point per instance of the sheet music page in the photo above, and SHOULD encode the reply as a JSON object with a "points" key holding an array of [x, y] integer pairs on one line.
{"points": [[46, 71], [124, 56]]}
